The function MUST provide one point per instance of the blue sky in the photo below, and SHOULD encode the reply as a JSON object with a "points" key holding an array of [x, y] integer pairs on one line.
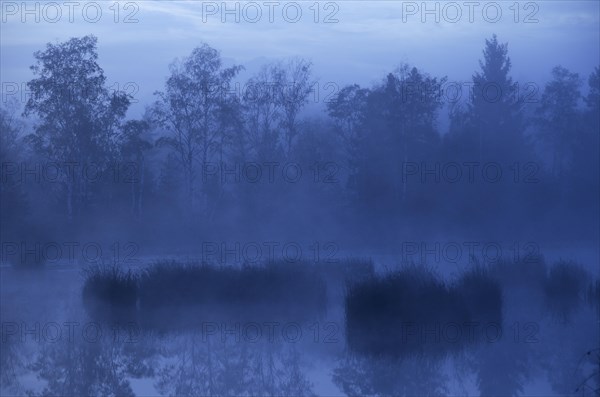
{"points": [[368, 40]]}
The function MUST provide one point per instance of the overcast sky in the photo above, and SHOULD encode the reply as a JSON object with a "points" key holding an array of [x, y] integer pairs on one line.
{"points": [[362, 41]]}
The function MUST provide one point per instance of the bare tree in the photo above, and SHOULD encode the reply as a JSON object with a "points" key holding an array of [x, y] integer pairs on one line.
{"points": [[193, 108]]}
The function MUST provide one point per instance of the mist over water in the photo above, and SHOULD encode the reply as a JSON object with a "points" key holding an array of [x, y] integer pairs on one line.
{"points": [[300, 198]]}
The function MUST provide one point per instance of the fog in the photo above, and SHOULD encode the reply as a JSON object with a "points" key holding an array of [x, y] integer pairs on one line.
{"points": [[296, 198]]}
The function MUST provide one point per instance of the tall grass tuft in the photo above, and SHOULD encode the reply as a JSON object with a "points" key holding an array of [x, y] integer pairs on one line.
{"points": [[564, 289], [481, 294], [592, 295], [412, 312], [109, 293], [171, 295]]}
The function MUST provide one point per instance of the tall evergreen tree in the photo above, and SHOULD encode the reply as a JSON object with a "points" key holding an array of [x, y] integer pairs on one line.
{"points": [[492, 126]]}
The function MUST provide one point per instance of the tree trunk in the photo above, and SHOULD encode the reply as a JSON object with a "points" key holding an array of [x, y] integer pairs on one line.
{"points": [[69, 200], [141, 192]]}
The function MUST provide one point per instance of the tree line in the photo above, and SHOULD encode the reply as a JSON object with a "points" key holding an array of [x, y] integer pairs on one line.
{"points": [[206, 160]]}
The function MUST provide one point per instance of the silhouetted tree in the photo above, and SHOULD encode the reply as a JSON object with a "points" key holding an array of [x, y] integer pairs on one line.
{"points": [[191, 109], [294, 80], [584, 172], [263, 114], [348, 110], [13, 196], [134, 146], [400, 128], [78, 117], [558, 116], [273, 101], [492, 125]]}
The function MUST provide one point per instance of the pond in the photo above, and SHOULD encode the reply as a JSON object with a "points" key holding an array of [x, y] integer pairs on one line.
{"points": [[53, 344]]}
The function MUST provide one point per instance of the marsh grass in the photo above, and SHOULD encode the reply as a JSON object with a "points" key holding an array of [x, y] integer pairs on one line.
{"points": [[249, 293], [171, 295], [564, 288], [413, 312], [110, 293]]}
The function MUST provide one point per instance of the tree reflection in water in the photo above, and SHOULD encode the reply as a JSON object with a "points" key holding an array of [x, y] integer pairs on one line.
{"points": [[198, 365], [385, 376], [185, 364]]}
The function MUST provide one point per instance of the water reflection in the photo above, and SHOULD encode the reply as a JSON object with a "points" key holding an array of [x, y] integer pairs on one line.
{"points": [[53, 347], [124, 363], [213, 368], [185, 364], [385, 376]]}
